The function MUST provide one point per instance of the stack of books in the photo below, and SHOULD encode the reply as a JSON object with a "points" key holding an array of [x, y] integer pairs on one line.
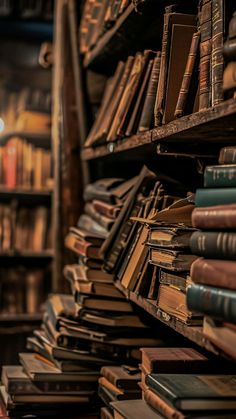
{"points": [[213, 273], [118, 383], [229, 52]]}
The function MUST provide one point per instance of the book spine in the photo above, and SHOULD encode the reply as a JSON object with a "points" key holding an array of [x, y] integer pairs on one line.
{"points": [[219, 273], [20, 387], [217, 64], [220, 176], [205, 55], [85, 25], [159, 103], [158, 404], [146, 120], [216, 302], [214, 196], [214, 244], [185, 86], [216, 217], [227, 155]]}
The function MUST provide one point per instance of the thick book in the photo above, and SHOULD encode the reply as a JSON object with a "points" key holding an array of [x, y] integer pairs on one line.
{"points": [[107, 190], [227, 155], [121, 377], [104, 221], [205, 54], [133, 409], [173, 301], [104, 304], [218, 217], [195, 392], [110, 211], [159, 405], [220, 176], [214, 244], [217, 59], [147, 116], [216, 302], [95, 289], [84, 273], [180, 280], [218, 273], [175, 360], [83, 234], [175, 260], [172, 237], [205, 197], [82, 247], [117, 393], [188, 89]]}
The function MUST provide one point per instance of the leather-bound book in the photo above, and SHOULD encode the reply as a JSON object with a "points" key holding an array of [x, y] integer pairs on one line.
{"points": [[205, 54], [218, 217], [214, 244], [227, 155], [147, 116], [217, 65], [219, 273], [135, 117], [186, 93]]}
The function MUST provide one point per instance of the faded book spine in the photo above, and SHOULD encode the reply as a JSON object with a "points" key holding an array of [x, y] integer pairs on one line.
{"points": [[215, 217], [205, 54], [216, 302], [227, 155], [214, 244], [188, 74], [159, 103], [217, 65], [214, 196], [147, 116], [220, 176], [219, 273], [159, 405]]}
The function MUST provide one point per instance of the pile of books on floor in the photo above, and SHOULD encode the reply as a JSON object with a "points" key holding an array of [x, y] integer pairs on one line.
{"points": [[213, 273], [180, 383]]}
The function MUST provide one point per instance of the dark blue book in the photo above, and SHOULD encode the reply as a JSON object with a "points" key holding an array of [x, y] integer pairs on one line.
{"points": [[214, 244], [207, 197], [216, 302], [220, 176]]}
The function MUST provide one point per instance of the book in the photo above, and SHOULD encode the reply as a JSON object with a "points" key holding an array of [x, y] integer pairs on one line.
{"points": [[117, 393], [173, 301], [195, 392], [209, 300], [110, 211], [95, 289], [175, 360], [180, 280], [82, 247], [174, 260], [227, 155], [104, 304], [188, 89], [104, 221], [216, 217], [220, 176], [205, 197], [122, 377], [217, 59], [222, 335], [110, 190], [205, 17], [159, 405], [214, 244], [218, 273], [133, 409], [173, 237], [147, 116], [84, 273]]}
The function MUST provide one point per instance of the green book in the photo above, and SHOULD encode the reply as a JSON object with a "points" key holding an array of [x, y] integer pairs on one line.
{"points": [[208, 197], [220, 176], [195, 392]]}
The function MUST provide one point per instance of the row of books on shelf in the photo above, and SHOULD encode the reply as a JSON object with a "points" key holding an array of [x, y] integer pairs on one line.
{"points": [[25, 228], [23, 290], [154, 88], [97, 18], [25, 9], [25, 166]]}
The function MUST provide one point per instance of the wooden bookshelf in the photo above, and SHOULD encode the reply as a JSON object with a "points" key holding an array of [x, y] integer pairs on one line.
{"points": [[20, 317], [37, 138], [193, 333], [22, 192], [27, 254], [195, 133]]}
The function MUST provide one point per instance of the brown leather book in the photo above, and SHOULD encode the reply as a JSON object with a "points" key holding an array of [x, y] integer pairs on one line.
{"points": [[219, 273], [229, 77], [160, 406], [84, 25], [110, 211], [135, 86], [227, 155], [215, 218], [81, 247], [147, 116], [135, 117], [111, 111], [181, 34], [121, 378], [104, 221], [186, 92], [205, 54], [217, 64]]}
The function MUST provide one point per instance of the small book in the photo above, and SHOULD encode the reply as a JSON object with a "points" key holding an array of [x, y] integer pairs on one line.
{"points": [[175, 260]]}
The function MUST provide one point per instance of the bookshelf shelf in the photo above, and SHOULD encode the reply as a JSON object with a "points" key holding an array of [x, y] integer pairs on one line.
{"points": [[125, 37], [193, 333], [184, 136], [37, 138], [47, 254], [20, 317], [21, 192]]}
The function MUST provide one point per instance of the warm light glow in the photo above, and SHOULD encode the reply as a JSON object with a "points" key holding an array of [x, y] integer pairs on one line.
{"points": [[2, 125]]}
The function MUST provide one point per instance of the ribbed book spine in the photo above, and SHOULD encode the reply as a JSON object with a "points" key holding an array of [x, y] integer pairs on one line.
{"points": [[184, 90], [217, 51], [205, 54], [146, 120], [227, 155], [220, 176], [216, 245]]}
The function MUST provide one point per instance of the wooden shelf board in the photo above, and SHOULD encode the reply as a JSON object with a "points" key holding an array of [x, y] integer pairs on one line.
{"points": [[20, 317], [214, 126], [27, 254], [193, 333], [24, 134], [26, 192]]}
